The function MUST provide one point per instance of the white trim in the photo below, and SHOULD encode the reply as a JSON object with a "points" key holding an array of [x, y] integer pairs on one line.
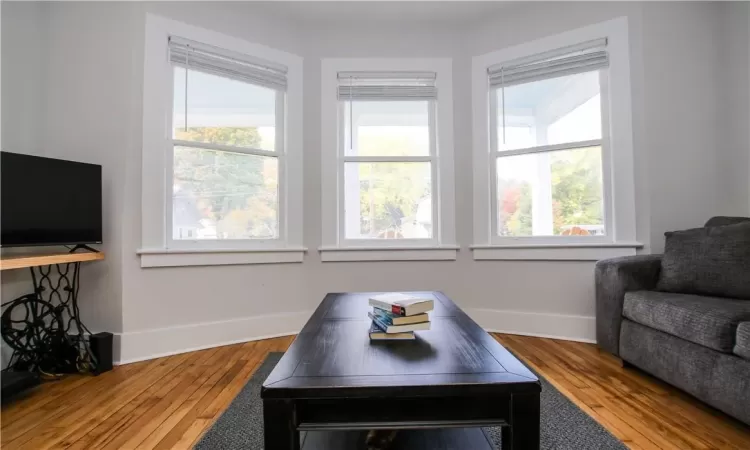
{"points": [[394, 159], [548, 148], [443, 184], [219, 257], [225, 148], [438, 253], [157, 143], [621, 214], [549, 325], [553, 252], [137, 346], [143, 345]]}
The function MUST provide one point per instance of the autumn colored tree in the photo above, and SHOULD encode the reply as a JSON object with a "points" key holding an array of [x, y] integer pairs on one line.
{"points": [[576, 195]]}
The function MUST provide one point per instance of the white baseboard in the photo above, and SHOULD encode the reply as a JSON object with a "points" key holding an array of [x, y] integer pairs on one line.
{"points": [[148, 344], [137, 346], [548, 325]]}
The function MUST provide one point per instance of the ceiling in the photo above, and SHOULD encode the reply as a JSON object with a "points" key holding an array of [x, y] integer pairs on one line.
{"points": [[444, 12]]}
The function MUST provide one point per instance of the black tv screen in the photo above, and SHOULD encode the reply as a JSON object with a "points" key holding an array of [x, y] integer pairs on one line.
{"points": [[46, 201]]}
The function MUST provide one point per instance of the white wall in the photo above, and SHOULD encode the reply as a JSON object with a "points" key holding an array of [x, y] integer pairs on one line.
{"points": [[682, 93], [94, 113], [22, 95], [734, 107], [24, 63]]}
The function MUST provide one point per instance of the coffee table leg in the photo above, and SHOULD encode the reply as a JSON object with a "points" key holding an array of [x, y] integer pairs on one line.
{"points": [[523, 432], [279, 427]]}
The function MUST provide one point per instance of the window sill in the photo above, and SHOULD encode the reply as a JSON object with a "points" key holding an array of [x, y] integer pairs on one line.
{"points": [[437, 253], [554, 252], [218, 257]]}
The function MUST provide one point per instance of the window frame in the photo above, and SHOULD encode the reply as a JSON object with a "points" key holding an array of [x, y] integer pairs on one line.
{"points": [[603, 143], [616, 147], [431, 158], [159, 248], [335, 245], [278, 153]]}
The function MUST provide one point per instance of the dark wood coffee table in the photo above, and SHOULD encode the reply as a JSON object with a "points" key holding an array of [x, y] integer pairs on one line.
{"points": [[452, 379]]}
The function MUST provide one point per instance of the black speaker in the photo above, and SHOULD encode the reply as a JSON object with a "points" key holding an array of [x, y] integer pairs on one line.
{"points": [[101, 347]]}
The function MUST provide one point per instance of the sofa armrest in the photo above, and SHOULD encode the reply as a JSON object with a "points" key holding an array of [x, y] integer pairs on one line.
{"points": [[614, 277]]}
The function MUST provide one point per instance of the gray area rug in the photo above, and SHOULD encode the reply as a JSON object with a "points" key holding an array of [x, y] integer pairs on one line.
{"points": [[563, 425]]}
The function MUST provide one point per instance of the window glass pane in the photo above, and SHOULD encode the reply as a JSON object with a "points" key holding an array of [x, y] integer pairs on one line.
{"points": [[555, 193], [388, 200], [547, 112], [224, 195], [223, 111], [387, 128]]}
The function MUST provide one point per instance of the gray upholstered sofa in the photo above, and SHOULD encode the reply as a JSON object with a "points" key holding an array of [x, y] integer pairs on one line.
{"points": [[649, 314]]}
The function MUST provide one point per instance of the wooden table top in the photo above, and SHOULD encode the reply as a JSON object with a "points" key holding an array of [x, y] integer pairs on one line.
{"points": [[8, 262], [333, 357]]}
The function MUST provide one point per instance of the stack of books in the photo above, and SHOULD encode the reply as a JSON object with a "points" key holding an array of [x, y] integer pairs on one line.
{"points": [[397, 316]]}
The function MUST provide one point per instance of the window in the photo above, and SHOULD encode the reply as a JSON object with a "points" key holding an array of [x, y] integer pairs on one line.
{"points": [[227, 140], [387, 140], [546, 144], [544, 165], [229, 162], [388, 159]]}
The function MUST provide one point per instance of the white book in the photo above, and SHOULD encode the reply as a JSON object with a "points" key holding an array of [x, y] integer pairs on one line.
{"points": [[401, 304], [376, 334]]}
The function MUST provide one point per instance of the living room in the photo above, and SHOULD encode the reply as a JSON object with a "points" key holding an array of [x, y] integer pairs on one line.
{"points": [[666, 148]]}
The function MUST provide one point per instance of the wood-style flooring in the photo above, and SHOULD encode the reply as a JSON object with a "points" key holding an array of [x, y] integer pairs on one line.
{"points": [[169, 402]]}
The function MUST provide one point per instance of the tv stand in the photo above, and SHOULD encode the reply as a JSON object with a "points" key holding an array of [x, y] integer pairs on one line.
{"points": [[46, 333], [83, 247]]}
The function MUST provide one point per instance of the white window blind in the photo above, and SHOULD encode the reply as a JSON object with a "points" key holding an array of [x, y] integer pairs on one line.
{"points": [[209, 59], [585, 57], [386, 86]]}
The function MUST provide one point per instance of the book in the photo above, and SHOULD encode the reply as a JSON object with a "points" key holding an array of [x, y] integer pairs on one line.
{"points": [[402, 304], [392, 319], [398, 328], [376, 334]]}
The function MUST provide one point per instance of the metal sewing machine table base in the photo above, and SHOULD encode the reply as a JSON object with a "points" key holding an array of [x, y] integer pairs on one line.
{"points": [[44, 328]]}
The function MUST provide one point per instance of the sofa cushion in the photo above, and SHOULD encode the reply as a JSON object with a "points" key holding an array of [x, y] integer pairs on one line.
{"points": [[720, 221], [708, 321], [707, 261], [742, 344], [719, 379]]}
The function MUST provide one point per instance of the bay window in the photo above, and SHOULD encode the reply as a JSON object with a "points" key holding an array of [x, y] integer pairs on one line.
{"points": [[390, 158], [546, 145], [222, 150], [553, 147], [227, 139]]}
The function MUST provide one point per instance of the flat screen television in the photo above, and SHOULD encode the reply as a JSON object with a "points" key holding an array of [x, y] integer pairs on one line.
{"points": [[46, 201]]}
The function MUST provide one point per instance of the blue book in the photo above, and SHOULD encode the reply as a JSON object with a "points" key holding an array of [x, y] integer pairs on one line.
{"points": [[396, 319], [390, 328]]}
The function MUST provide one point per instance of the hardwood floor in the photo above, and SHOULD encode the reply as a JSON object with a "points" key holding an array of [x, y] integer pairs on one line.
{"points": [[169, 402], [640, 410]]}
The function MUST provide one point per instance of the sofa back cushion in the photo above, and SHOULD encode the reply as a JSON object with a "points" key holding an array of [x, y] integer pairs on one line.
{"points": [[708, 261], [720, 221]]}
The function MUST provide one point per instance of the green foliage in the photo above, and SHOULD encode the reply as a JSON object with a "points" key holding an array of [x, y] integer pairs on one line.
{"points": [[576, 188], [576, 194], [237, 191], [390, 192]]}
